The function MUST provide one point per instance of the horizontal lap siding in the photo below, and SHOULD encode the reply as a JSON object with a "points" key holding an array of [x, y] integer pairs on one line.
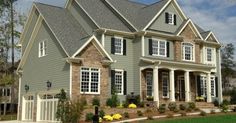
{"points": [[52, 67]]}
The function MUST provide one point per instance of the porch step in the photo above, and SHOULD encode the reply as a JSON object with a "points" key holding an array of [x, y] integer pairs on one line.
{"points": [[204, 105]]}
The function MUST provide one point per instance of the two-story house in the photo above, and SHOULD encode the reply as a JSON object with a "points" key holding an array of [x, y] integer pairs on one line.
{"points": [[91, 46]]}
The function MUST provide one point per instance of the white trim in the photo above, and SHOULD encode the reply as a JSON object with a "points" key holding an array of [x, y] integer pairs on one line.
{"points": [[44, 52], [121, 15], [166, 74], [173, 20], [158, 40], [19, 100], [213, 56], [179, 8], [196, 31], [183, 52], [71, 72], [211, 33], [143, 45], [100, 48], [154, 18], [213, 78], [149, 71], [68, 2], [122, 45], [122, 79], [24, 106], [87, 14]]}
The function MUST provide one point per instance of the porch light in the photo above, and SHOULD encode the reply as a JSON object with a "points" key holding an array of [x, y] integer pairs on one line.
{"points": [[26, 87], [49, 84]]}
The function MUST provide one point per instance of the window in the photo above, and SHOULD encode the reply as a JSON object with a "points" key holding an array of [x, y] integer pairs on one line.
{"points": [[159, 48], [90, 80], [119, 81], [28, 107], [43, 48], [118, 46], [209, 55], [170, 18], [213, 86], [165, 85], [149, 83], [187, 49], [5, 92], [203, 82]]}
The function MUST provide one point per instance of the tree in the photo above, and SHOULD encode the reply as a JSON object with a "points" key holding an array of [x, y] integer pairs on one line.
{"points": [[227, 63]]}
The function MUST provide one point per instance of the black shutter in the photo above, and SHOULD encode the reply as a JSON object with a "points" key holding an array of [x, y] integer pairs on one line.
{"points": [[124, 47], [166, 17], [168, 49], [112, 81], [174, 19], [150, 46], [112, 45], [199, 85], [216, 86], [125, 82]]}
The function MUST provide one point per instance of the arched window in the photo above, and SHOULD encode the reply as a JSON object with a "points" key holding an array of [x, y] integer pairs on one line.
{"points": [[187, 52]]}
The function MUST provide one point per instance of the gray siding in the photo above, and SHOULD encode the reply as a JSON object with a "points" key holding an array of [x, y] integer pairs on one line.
{"points": [[81, 17], [30, 30], [160, 25], [52, 67], [123, 62], [171, 50]]}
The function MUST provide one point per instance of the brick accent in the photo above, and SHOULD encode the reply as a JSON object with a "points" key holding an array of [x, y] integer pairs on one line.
{"points": [[91, 58], [178, 51]]}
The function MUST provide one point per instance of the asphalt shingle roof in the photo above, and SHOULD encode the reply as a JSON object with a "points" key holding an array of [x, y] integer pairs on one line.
{"points": [[65, 27]]}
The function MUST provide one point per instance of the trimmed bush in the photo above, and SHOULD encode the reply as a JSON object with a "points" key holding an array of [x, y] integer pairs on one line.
{"points": [[89, 117], [183, 106], [172, 106], [192, 105], [113, 101], [162, 108], [96, 101]]}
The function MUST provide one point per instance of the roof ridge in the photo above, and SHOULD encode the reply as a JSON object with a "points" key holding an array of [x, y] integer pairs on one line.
{"points": [[48, 5]]}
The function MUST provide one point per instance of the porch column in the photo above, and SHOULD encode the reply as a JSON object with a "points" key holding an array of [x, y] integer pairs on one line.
{"points": [[172, 85], [187, 88], [209, 87], [155, 86]]}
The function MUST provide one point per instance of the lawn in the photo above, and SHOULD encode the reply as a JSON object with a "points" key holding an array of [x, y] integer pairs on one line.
{"points": [[226, 118]]}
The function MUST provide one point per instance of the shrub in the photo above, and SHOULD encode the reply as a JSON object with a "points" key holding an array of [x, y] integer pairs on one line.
{"points": [[113, 101], [131, 98], [191, 105], [149, 98], [172, 106], [96, 101], [139, 113], [101, 113], [224, 106], [116, 116], [162, 108], [89, 117], [125, 104], [141, 104], [203, 113], [176, 110], [216, 103], [132, 106], [183, 106], [126, 115], [108, 117]]}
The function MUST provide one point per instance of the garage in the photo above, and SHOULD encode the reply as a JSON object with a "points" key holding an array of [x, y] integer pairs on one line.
{"points": [[47, 107], [28, 107]]}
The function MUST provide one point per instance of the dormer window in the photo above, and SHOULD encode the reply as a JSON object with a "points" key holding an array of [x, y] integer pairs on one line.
{"points": [[170, 18], [43, 48]]}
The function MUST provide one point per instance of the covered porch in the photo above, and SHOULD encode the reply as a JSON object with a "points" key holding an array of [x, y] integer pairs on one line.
{"points": [[168, 82]]}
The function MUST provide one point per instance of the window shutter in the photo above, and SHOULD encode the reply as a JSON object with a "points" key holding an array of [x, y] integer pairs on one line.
{"points": [[124, 47], [125, 82], [174, 19], [216, 86], [199, 86], [112, 45], [150, 46], [168, 49], [112, 81], [166, 17]]}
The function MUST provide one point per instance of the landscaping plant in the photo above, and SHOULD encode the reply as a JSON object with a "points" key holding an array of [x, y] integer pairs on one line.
{"points": [[96, 101], [162, 108], [172, 106], [89, 116], [139, 113], [101, 113]]}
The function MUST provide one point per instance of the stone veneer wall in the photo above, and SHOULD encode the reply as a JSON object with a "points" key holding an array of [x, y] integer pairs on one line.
{"points": [[91, 58]]}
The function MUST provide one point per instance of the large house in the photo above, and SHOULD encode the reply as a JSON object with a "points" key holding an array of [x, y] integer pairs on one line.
{"points": [[91, 46]]}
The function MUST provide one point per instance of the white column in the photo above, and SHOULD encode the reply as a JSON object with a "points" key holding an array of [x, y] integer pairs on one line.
{"points": [[219, 78], [103, 40], [19, 100], [209, 87], [172, 85], [187, 88], [142, 43], [155, 85]]}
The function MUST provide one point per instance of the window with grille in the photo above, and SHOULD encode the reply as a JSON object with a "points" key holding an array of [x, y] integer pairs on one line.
{"points": [[119, 81], [188, 54], [159, 48], [149, 81], [165, 84], [118, 46], [43, 48]]}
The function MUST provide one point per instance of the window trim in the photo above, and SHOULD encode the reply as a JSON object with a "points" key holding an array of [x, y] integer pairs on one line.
{"points": [[158, 47], [44, 48], [166, 74], [149, 72], [122, 45], [213, 79], [99, 75], [172, 15], [183, 52], [212, 55], [122, 83]]}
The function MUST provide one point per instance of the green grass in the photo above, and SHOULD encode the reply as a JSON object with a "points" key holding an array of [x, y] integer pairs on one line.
{"points": [[8, 117], [226, 118]]}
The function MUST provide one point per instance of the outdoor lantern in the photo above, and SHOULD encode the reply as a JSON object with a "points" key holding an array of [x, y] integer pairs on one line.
{"points": [[49, 84], [26, 87]]}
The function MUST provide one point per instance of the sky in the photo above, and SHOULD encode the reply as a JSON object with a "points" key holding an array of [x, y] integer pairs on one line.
{"points": [[219, 16]]}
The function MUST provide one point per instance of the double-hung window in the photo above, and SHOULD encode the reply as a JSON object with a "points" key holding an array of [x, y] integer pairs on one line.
{"points": [[165, 85], [119, 81], [203, 83], [159, 48], [170, 18], [149, 81], [213, 92], [43, 48], [187, 51], [209, 55], [90, 80]]}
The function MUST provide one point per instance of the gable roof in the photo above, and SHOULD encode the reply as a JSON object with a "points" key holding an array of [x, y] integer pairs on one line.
{"points": [[67, 30]]}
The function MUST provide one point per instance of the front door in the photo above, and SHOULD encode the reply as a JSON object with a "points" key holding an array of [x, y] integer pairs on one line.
{"points": [[181, 88]]}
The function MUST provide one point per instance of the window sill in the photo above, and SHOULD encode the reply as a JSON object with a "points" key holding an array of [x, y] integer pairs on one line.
{"points": [[90, 93], [121, 54]]}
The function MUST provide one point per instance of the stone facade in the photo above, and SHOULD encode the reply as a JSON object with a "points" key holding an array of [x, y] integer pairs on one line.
{"points": [[91, 58]]}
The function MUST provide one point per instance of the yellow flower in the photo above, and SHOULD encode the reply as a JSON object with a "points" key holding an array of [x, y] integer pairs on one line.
{"points": [[132, 106], [108, 118], [100, 120], [116, 116]]}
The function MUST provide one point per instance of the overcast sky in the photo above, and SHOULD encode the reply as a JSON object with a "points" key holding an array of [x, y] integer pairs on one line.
{"points": [[219, 16]]}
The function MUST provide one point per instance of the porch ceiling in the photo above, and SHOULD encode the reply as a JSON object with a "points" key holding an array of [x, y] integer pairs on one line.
{"points": [[186, 66]]}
